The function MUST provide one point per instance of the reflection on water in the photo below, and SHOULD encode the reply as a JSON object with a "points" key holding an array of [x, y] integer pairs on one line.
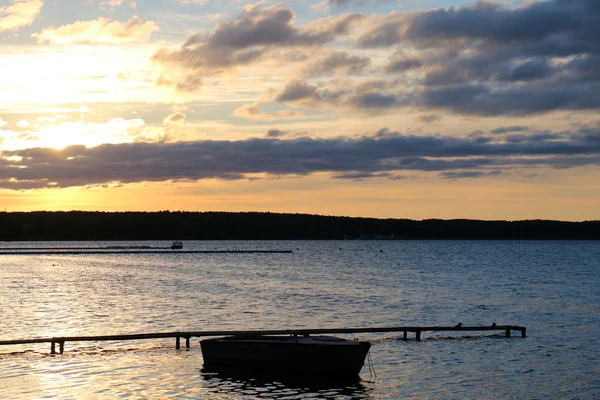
{"points": [[246, 382], [154, 374]]}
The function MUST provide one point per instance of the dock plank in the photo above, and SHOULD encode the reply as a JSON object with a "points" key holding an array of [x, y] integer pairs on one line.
{"points": [[61, 340]]}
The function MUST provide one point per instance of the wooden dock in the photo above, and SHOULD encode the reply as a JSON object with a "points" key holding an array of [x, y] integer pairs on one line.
{"points": [[417, 330]]}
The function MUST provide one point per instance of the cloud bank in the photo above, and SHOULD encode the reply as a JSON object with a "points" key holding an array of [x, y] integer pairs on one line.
{"points": [[384, 154], [482, 59]]}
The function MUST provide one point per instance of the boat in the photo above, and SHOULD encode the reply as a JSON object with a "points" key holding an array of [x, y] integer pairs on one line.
{"points": [[329, 355], [177, 245]]}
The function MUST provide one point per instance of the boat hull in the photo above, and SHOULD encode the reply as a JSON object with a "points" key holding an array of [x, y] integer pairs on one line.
{"points": [[295, 354]]}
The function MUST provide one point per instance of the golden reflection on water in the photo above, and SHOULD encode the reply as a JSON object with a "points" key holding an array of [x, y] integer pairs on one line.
{"points": [[153, 374]]}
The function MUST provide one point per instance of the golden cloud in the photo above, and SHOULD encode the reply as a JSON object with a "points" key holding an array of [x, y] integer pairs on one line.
{"points": [[20, 13], [254, 112], [100, 30]]}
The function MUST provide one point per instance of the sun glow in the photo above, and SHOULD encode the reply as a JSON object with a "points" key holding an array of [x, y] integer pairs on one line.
{"points": [[56, 75], [57, 96], [58, 135]]}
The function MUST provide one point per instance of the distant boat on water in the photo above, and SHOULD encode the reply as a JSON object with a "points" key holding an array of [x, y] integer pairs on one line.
{"points": [[312, 355], [177, 245]]}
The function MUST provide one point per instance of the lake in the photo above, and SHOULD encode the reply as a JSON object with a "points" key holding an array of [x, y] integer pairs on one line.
{"points": [[551, 287]]}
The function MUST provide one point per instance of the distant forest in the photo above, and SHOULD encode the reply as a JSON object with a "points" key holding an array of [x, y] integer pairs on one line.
{"points": [[168, 225]]}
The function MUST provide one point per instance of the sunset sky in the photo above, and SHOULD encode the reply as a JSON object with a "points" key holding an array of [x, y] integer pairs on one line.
{"points": [[401, 109]]}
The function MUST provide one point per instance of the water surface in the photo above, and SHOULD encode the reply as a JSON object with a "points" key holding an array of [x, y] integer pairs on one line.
{"points": [[549, 286]]}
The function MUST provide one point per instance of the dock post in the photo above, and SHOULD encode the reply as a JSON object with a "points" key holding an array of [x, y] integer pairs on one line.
{"points": [[524, 332], [52, 347], [507, 332], [405, 335], [418, 336], [177, 343], [187, 342], [61, 346]]}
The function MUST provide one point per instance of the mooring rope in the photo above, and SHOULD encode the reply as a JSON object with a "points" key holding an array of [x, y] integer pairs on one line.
{"points": [[372, 374]]}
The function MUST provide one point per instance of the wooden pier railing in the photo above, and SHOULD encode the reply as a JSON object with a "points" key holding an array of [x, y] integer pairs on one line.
{"points": [[61, 340]]}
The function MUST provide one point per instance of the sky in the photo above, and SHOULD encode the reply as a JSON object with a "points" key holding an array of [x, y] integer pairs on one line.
{"points": [[366, 108]]}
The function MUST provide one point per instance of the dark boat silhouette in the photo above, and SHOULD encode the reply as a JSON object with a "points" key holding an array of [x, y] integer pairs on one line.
{"points": [[307, 355]]}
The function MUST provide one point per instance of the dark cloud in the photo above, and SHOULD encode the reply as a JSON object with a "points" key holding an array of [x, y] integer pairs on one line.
{"points": [[589, 135], [482, 59], [337, 61], [245, 40], [494, 69], [298, 91], [370, 96], [583, 68], [498, 61], [375, 100], [481, 99], [538, 58], [467, 174], [489, 21], [384, 154], [430, 118], [537, 137], [528, 71], [401, 64], [359, 176], [274, 133], [509, 129]]}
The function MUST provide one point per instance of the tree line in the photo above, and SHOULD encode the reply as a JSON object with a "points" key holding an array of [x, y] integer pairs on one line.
{"points": [[169, 225]]}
